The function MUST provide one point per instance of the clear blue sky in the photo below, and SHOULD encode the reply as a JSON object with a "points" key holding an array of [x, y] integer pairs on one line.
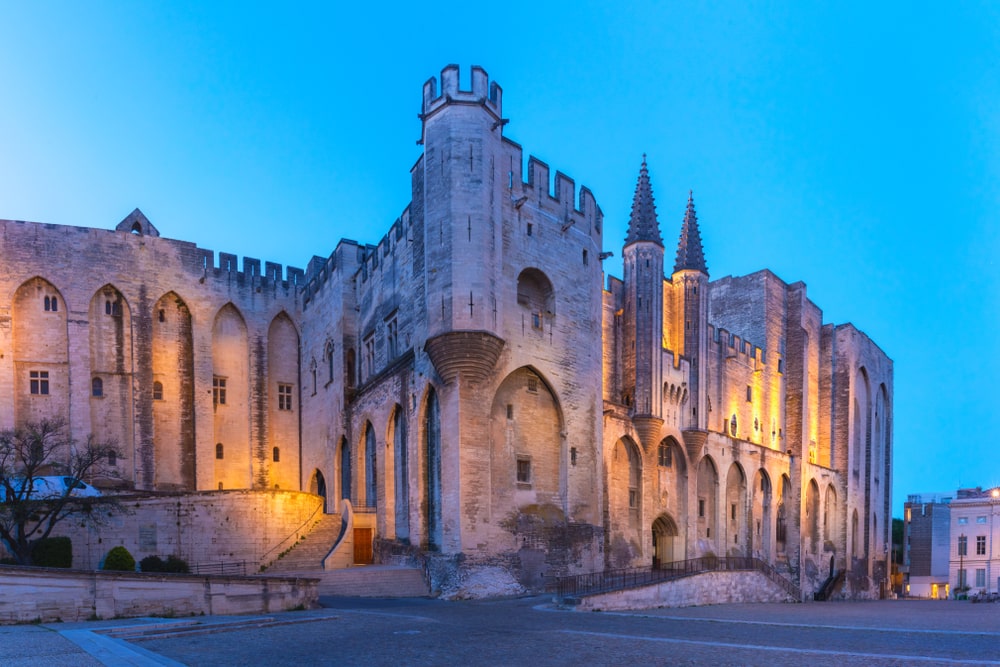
{"points": [[853, 146]]}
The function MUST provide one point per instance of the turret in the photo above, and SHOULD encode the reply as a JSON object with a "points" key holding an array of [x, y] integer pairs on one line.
{"points": [[459, 194], [690, 280], [643, 325]]}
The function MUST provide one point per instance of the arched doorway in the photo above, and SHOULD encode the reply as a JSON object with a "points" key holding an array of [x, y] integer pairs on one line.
{"points": [[318, 486], [666, 547]]}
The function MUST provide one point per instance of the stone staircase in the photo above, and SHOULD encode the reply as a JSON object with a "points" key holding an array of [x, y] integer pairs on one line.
{"points": [[307, 555], [374, 581]]}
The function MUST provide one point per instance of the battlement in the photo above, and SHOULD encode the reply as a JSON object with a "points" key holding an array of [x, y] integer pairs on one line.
{"points": [[484, 92], [251, 273], [736, 347], [557, 198]]}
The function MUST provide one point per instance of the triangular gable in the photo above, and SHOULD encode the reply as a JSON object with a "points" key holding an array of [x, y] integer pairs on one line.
{"points": [[136, 222]]}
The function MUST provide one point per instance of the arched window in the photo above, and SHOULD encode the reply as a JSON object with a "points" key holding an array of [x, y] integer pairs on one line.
{"points": [[218, 450], [157, 391], [534, 292], [97, 387], [275, 455]]}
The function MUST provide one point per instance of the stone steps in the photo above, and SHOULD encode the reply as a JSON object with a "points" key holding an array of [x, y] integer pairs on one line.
{"points": [[374, 581], [308, 554]]}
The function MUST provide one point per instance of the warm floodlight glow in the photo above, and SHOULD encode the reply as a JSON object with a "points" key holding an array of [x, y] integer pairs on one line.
{"points": [[996, 493]]}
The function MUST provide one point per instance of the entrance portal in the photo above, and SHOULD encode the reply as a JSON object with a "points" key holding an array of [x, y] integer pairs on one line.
{"points": [[667, 547]]}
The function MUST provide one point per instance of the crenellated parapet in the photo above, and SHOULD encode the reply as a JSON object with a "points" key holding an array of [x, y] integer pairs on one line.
{"points": [[735, 347], [484, 92], [556, 199]]}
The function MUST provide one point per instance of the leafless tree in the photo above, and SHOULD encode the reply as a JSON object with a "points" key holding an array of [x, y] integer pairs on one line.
{"points": [[29, 510]]}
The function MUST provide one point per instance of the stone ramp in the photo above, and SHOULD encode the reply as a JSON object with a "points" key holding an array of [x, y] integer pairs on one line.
{"points": [[374, 581], [307, 555]]}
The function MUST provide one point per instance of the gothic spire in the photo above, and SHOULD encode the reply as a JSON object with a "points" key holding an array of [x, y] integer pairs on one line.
{"points": [[642, 224], [689, 252]]}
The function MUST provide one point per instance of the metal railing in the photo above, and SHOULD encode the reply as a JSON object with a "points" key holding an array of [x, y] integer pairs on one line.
{"points": [[232, 568], [614, 580]]}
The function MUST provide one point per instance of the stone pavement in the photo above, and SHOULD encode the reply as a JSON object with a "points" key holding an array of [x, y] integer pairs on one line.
{"points": [[530, 631]]}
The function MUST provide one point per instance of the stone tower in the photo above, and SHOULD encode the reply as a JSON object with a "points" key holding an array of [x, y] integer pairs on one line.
{"points": [[690, 277], [643, 279], [462, 132]]}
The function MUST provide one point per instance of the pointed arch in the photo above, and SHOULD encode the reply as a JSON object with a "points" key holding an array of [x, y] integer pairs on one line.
{"points": [[41, 352], [735, 510], [368, 468], [536, 295], [231, 396], [811, 520], [760, 515], [624, 498], [398, 501], [431, 478], [344, 451], [673, 465], [526, 425], [173, 423], [829, 513], [284, 397], [707, 510], [781, 522]]}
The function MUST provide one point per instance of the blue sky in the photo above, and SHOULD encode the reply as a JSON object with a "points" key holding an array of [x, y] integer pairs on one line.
{"points": [[852, 146]]}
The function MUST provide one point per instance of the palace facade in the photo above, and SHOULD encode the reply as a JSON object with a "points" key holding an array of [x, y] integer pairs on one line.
{"points": [[472, 383]]}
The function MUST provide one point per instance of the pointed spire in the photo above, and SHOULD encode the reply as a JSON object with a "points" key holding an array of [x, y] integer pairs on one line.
{"points": [[642, 224], [689, 252]]}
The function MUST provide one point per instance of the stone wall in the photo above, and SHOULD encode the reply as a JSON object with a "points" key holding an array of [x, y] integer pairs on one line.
{"points": [[48, 595], [208, 527], [702, 589]]}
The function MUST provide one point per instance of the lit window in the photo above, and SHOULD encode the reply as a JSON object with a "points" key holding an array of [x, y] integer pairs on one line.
{"points": [[97, 387], [39, 381], [157, 391], [284, 397], [218, 392]]}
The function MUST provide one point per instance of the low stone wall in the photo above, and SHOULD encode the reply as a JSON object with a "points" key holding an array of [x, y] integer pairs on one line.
{"points": [[201, 527], [48, 595], [700, 589]]}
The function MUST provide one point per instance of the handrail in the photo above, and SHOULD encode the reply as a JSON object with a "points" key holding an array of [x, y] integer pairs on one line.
{"points": [[612, 580], [233, 568], [294, 535]]}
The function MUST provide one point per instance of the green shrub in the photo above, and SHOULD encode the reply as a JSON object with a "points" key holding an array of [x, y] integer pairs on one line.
{"points": [[171, 564], [53, 552], [151, 564], [119, 560], [176, 564]]}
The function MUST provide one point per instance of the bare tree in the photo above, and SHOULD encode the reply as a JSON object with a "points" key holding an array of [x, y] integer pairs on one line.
{"points": [[30, 509]]}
